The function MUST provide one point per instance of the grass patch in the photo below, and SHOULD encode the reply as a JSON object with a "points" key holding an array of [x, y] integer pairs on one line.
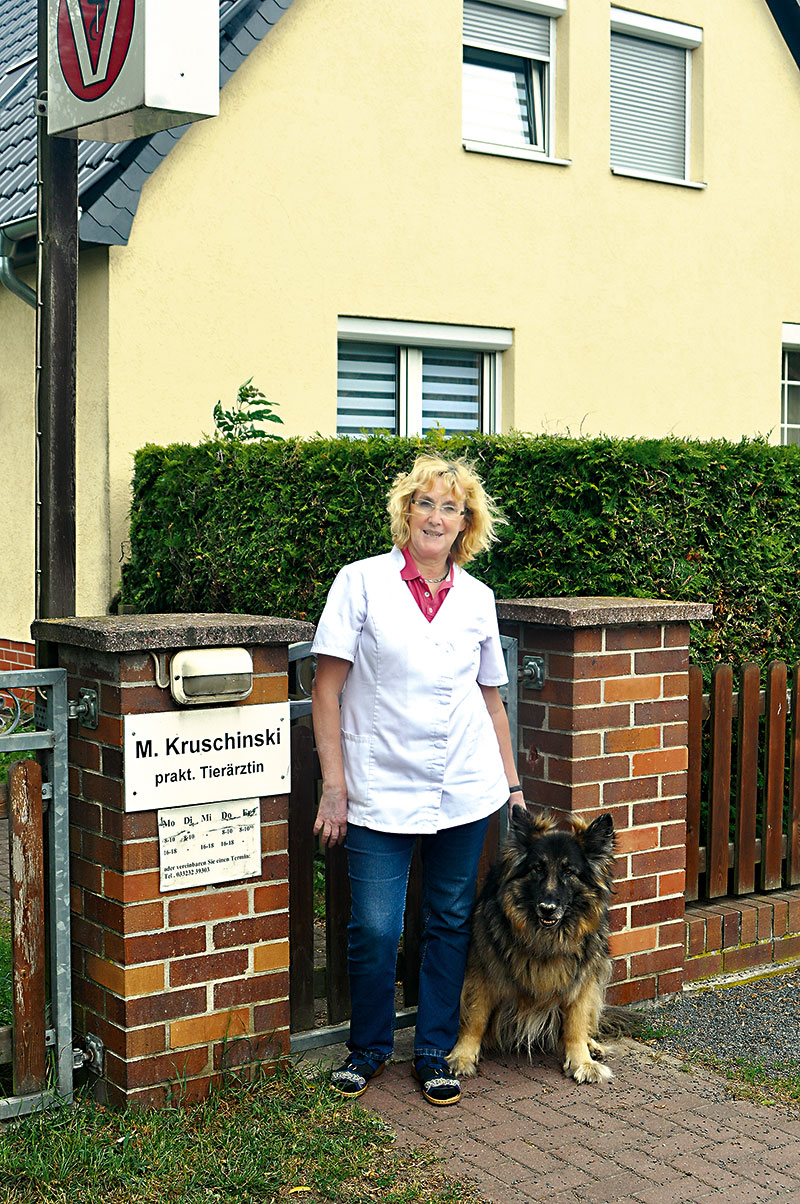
{"points": [[654, 1032], [756, 1079], [749, 1078], [275, 1138]]}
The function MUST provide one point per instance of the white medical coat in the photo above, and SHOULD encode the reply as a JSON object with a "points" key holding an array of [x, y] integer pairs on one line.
{"points": [[420, 750]]}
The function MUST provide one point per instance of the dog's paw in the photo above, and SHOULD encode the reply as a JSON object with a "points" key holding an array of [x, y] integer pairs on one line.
{"points": [[463, 1062], [587, 1072], [597, 1051]]}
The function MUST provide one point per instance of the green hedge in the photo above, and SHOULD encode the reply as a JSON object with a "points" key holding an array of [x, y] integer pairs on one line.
{"points": [[263, 527]]}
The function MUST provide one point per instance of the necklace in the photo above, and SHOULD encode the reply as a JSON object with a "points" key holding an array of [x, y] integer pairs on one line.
{"points": [[436, 580]]}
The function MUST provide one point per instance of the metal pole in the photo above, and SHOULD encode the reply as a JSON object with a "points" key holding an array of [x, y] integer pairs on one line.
{"points": [[56, 337]]}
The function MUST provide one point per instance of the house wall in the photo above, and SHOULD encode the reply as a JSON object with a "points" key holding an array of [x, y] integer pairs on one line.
{"points": [[335, 183], [17, 411], [97, 564], [18, 457]]}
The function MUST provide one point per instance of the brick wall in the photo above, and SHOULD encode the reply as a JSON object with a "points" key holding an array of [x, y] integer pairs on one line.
{"points": [[732, 936], [608, 732], [16, 654], [177, 985]]}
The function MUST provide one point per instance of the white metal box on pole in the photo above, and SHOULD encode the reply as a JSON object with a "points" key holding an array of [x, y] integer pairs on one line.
{"points": [[121, 69]]}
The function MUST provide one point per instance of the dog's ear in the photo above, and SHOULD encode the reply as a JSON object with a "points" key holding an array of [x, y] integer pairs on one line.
{"points": [[520, 825], [525, 826], [597, 840]]}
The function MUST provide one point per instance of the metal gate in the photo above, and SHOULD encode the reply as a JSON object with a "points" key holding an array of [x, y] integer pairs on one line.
{"points": [[35, 805], [320, 983]]}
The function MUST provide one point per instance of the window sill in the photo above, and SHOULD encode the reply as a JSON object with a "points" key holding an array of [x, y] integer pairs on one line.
{"points": [[514, 152], [656, 179]]}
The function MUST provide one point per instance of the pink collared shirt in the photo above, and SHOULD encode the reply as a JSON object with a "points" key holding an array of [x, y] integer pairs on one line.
{"points": [[425, 598]]}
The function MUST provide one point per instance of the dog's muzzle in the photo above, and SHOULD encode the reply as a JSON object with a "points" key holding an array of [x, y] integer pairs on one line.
{"points": [[549, 914]]}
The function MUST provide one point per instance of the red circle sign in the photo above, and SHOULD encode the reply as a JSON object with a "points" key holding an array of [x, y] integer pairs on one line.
{"points": [[94, 37]]}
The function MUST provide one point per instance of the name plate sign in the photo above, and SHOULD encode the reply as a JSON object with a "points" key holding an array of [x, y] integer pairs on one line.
{"points": [[177, 758], [213, 842]]}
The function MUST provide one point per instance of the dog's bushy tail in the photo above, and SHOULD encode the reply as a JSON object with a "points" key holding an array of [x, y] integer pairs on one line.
{"points": [[621, 1022]]}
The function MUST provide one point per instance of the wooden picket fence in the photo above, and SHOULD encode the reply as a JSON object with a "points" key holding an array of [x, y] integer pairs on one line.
{"points": [[743, 807]]}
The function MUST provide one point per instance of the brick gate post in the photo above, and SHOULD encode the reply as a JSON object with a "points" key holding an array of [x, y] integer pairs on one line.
{"points": [[607, 731], [181, 983]]}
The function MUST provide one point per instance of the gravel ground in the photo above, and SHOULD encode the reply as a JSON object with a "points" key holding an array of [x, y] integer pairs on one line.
{"points": [[758, 1021]]}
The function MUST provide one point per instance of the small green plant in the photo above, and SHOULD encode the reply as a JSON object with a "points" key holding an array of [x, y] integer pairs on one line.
{"points": [[654, 1032], [251, 407], [7, 759], [319, 886], [6, 1004]]}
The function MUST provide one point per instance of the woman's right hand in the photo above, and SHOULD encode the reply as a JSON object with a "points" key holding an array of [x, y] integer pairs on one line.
{"points": [[331, 822]]}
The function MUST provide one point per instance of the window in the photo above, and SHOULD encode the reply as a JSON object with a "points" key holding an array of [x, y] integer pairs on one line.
{"points": [[651, 74], [790, 384], [410, 377], [508, 76]]}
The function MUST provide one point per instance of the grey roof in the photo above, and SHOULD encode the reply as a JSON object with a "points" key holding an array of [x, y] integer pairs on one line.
{"points": [[787, 18], [110, 176]]}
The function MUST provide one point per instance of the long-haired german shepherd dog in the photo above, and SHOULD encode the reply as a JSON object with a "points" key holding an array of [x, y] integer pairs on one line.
{"points": [[538, 962]]}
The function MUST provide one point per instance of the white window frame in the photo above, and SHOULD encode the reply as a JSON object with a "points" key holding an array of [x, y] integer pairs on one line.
{"points": [[410, 338], [543, 8], [668, 33], [790, 342]]}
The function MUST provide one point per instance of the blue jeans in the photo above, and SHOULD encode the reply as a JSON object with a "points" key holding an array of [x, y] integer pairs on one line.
{"points": [[379, 863]]}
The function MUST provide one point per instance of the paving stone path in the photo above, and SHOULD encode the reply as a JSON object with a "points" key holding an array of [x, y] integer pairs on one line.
{"points": [[655, 1135]]}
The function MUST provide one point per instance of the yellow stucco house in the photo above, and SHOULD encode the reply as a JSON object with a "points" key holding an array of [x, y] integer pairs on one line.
{"points": [[548, 215]]}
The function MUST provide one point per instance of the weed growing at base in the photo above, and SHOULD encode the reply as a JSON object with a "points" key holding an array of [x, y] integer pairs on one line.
{"points": [[752, 1078], [277, 1137], [767, 1084], [5, 968]]}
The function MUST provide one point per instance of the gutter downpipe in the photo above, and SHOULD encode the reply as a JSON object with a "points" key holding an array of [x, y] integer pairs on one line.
{"points": [[10, 236]]}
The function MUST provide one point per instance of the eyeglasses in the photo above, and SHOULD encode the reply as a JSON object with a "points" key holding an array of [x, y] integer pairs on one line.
{"points": [[448, 510]]}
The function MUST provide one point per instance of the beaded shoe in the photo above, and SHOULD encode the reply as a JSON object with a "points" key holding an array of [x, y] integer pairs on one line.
{"points": [[439, 1086], [353, 1076]]}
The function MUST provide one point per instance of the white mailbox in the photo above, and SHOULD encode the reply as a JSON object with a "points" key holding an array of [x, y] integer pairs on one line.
{"points": [[199, 676], [121, 69]]}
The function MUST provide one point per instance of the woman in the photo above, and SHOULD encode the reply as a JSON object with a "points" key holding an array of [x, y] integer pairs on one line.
{"points": [[408, 642]]}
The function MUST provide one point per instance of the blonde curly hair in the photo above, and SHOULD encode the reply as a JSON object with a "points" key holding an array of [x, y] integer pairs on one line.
{"points": [[481, 513]]}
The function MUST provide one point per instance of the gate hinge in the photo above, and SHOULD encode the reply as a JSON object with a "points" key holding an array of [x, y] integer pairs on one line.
{"points": [[89, 1054], [84, 709], [532, 673]]}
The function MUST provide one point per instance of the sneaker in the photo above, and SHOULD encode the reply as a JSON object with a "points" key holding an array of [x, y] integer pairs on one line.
{"points": [[352, 1078], [439, 1086]]}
